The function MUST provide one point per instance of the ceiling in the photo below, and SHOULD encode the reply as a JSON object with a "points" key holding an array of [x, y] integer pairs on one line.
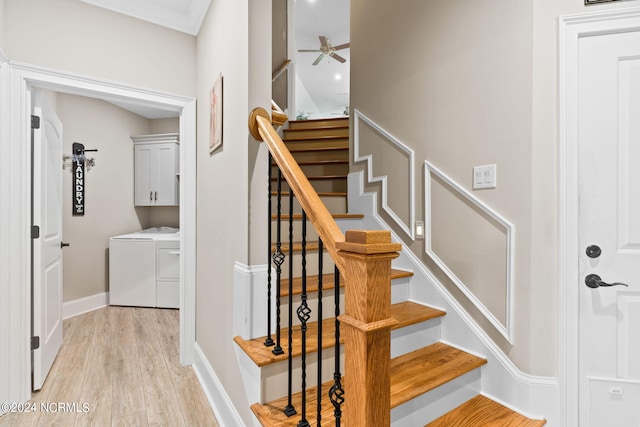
{"points": [[319, 89], [181, 15]]}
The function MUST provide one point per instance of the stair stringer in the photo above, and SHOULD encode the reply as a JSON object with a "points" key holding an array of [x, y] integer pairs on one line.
{"points": [[535, 397]]}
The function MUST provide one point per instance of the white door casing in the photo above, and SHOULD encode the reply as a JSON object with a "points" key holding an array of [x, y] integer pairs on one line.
{"points": [[599, 98], [47, 251], [15, 134]]}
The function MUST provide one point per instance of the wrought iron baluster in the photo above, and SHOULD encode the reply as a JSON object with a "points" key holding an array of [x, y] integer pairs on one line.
{"points": [[336, 393], [304, 314], [278, 259], [269, 341], [319, 397], [290, 410]]}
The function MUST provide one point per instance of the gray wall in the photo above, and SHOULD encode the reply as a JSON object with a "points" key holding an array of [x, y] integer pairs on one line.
{"points": [[467, 84], [109, 209], [73, 36]]}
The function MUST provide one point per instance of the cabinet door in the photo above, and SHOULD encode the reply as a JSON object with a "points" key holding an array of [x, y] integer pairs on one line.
{"points": [[143, 193], [166, 180]]}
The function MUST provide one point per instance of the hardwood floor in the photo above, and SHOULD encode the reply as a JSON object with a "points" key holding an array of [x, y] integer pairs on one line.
{"points": [[119, 366]]}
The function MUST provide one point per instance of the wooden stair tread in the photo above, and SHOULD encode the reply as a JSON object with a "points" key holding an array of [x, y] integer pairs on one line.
{"points": [[327, 282], [319, 177], [482, 411], [297, 246], [320, 193], [306, 150], [318, 162], [328, 122], [335, 216], [407, 313], [422, 370], [435, 361], [290, 139]]}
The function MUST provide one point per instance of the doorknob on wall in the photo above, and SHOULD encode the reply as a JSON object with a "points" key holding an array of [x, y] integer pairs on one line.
{"points": [[594, 281], [63, 244]]}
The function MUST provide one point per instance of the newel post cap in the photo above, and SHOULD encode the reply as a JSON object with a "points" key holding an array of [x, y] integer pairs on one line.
{"points": [[368, 242]]}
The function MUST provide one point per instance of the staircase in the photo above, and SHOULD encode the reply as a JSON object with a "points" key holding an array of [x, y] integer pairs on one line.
{"points": [[432, 383]]}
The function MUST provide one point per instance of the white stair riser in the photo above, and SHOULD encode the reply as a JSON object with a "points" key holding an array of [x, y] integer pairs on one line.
{"points": [[429, 406], [335, 205], [413, 337], [274, 377]]}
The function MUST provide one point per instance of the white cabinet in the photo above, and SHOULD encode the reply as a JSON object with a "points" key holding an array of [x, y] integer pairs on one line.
{"points": [[156, 162]]}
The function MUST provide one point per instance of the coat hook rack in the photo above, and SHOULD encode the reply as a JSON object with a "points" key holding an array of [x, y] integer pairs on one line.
{"points": [[78, 165], [78, 155]]}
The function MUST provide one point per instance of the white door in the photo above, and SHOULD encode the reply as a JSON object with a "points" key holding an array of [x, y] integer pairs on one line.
{"points": [[47, 253], [609, 207]]}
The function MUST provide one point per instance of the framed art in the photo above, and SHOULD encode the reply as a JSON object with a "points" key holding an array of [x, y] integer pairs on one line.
{"points": [[215, 119]]}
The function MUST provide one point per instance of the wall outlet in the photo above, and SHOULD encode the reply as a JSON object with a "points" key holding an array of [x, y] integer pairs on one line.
{"points": [[484, 177]]}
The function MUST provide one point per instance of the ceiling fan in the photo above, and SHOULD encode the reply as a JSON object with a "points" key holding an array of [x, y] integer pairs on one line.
{"points": [[326, 49]]}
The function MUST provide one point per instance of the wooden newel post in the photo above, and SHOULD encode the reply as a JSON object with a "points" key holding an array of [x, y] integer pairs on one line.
{"points": [[367, 326]]}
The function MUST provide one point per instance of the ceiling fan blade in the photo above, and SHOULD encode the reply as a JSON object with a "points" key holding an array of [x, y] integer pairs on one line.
{"points": [[323, 42], [338, 58], [342, 46], [309, 50], [318, 59]]}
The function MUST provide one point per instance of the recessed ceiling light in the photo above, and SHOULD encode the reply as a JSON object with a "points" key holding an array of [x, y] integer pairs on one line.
{"points": [[338, 76]]}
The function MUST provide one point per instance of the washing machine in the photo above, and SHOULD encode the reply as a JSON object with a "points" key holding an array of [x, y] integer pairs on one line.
{"points": [[134, 265]]}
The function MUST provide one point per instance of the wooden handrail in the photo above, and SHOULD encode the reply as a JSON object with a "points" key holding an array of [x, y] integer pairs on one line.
{"points": [[279, 71], [278, 117], [317, 213]]}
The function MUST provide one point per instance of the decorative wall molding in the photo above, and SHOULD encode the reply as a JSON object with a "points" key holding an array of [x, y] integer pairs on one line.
{"points": [[505, 329], [358, 116], [250, 300], [571, 29], [84, 305], [531, 395], [220, 402]]}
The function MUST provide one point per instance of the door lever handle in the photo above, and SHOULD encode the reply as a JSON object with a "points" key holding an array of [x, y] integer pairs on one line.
{"points": [[63, 245], [594, 281]]}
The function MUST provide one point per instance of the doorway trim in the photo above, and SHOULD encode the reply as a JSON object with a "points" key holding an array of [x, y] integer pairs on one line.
{"points": [[571, 29], [19, 79]]}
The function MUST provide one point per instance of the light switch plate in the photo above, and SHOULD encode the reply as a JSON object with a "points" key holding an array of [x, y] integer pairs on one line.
{"points": [[484, 177]]}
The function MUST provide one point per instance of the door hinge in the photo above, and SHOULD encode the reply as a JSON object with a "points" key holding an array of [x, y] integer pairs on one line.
{"points": [[35, 122], [35, 232], [35, 343]]}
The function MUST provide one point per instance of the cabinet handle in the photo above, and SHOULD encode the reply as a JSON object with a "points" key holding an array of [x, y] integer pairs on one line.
{"points": [[151, 196], [156, 196]]}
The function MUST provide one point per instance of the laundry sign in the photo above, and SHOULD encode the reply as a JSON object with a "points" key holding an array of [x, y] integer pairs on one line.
{"points": [[78, 171]]}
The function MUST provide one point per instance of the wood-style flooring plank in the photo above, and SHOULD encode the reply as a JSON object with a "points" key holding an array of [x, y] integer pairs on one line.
{"points": [[482, 411], [107, 360], [159, 395], [128, 394]]}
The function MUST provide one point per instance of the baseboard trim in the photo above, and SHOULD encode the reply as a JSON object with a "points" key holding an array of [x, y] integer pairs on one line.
{"points": [[84, 305], [224, 410]]}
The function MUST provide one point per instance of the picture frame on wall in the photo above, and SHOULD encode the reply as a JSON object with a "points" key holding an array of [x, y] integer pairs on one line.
{"points": [[215, 118]]}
